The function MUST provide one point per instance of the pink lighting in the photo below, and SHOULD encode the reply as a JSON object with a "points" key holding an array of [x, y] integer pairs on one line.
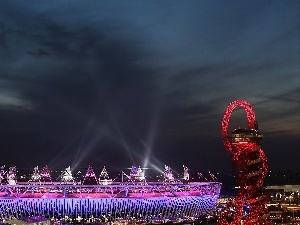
{"points": [[133, 198]]}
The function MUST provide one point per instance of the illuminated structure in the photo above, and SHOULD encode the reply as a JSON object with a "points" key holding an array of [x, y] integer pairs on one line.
{"points": [[104, 178], [2, 173], [168, 174], [67, 176], [12, 175], [45, 175], [250, 169], [137, 174], [90, 176], [35, 177], [140, 201], [186, 175]]}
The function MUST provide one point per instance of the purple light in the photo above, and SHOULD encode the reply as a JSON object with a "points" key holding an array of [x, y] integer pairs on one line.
{"points": [[155, 200]]}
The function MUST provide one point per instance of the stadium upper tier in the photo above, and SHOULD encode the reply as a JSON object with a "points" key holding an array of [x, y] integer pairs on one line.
{"points": [[154, 189]]}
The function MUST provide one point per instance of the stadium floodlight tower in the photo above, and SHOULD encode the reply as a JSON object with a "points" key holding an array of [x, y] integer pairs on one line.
{"points": [[66, 176], [35, 177], [2, 173], [250, 169], [12, 175]]}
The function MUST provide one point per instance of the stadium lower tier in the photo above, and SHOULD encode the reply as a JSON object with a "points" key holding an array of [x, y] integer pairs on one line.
{"points": [[203, 200]]}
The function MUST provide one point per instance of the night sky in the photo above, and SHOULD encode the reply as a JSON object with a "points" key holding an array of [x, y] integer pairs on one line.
{"points": [[121, 83]]}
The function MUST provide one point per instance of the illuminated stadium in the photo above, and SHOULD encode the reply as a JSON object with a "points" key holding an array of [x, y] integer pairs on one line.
{"points": [[132, 198]]}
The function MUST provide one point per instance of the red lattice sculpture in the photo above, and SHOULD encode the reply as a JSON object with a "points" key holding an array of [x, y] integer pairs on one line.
{"points": [[250, 169]]}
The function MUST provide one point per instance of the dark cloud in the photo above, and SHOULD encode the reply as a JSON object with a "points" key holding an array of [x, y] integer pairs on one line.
{"points": [[38, 52], [97, 81], [104, 88]]}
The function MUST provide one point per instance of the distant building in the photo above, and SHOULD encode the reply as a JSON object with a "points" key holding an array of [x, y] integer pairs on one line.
{"points": [[285, 188], [284, 194]]}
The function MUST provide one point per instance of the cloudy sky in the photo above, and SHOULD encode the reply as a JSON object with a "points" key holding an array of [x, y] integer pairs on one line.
{"points": [[121, 83]]}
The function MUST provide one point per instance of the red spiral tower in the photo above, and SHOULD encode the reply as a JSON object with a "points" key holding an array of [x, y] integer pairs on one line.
{"points": [[250, 169]]}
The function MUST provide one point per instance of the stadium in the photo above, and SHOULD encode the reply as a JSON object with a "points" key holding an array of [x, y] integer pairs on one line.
{"points": [[104, 199]]}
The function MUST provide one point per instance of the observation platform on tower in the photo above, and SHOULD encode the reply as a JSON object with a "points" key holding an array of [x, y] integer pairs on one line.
{"points": [[245, 135]]}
